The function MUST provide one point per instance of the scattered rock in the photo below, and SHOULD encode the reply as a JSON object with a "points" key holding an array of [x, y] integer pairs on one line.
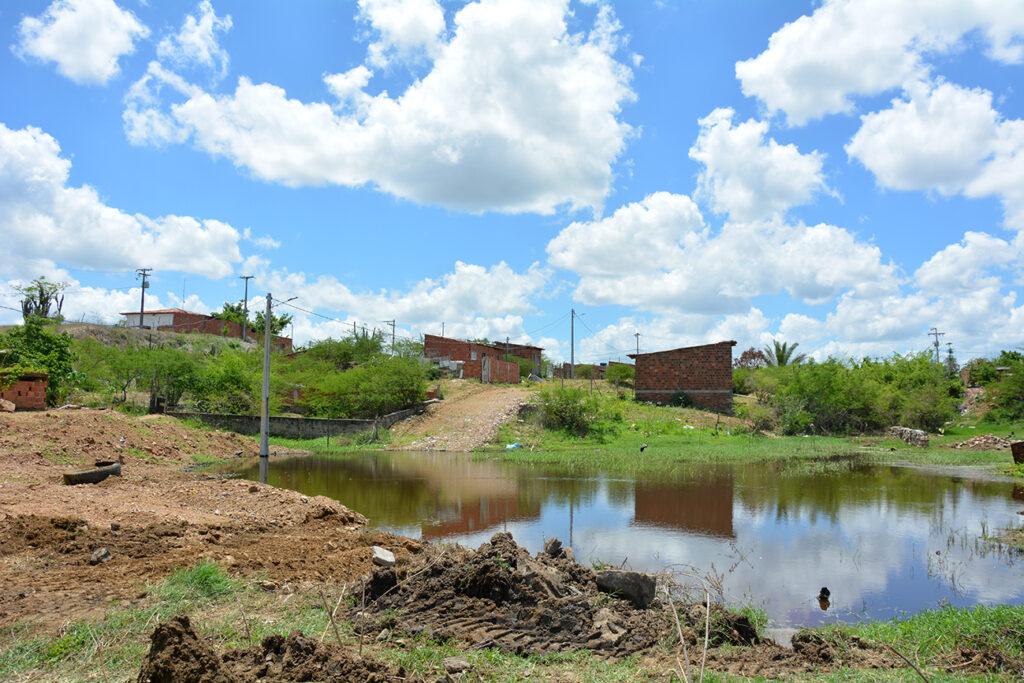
{"points": [[382, 557], [914, 437], [636, 587], [254, 488], [6, 406], [101, 555], [268, 585], [115, 526], [456, 665]]}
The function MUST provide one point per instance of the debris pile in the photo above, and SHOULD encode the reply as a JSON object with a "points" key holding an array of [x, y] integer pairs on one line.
{"points": [[914, 437], [500, 597], [177, 654], [983, 442]]}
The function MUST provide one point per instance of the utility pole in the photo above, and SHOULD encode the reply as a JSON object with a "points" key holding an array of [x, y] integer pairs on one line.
{"points": [[506, 349], [572, 343], [392, 323], [442, 328], [144, 272], [934, 332], [636, 360], [245, 304], [265, 403]]}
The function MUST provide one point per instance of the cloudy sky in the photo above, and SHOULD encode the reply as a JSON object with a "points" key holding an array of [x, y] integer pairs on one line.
{"points": [[844, 174]]}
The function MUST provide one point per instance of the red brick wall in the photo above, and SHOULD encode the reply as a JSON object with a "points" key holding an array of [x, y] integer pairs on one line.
{"points": [[28, 393], [703, 372], [455, 349]]}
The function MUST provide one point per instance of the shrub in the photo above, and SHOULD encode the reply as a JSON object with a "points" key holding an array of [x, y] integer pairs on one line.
{"points": [[571, 410], [381, 386], [620, 375], [680, 399]]}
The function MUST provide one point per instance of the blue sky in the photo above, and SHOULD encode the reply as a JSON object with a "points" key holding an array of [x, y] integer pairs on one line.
{"points": [[845, 175]]}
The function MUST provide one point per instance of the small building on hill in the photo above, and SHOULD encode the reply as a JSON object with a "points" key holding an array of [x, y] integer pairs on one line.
{"points": [[181, 321], [484, 362], [703, 373]]}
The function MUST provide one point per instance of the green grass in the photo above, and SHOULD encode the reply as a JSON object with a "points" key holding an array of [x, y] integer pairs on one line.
{"points": [[929, 636], [331, 444]]}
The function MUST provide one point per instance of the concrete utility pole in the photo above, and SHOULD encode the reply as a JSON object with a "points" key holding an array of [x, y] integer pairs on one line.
{"points": [[572, 343], [144, 272], [245, 304], [442, 328], [506, 349], [934, 332], [637, 335], [392, 323], [265, 403]]}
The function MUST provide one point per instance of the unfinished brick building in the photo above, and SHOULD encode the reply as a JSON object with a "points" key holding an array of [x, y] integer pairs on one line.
{"points": [[480, 361], [181, 321], [28, 392], [704, 373]]}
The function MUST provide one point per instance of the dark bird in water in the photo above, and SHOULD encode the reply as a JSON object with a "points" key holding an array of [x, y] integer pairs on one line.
{"points": [[642, 447], [823, 596]]}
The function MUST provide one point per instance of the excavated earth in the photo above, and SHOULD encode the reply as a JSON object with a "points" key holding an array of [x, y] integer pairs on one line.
{"points": [[161, 514]]}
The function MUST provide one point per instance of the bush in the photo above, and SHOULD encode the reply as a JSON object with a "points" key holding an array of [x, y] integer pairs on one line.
{"points": [[681, 399], [35, 346], [840, 397], [620, 375], [379, 387], [573, 411], [1008, 395]]}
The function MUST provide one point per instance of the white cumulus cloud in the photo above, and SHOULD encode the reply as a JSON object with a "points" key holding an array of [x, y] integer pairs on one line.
{"points": [[748, 178], [196, 43], [85, 38], [815, 65], [405, 28], [516, 114], [46, 221]]}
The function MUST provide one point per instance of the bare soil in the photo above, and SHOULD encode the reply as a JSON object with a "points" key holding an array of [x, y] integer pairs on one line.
{"points": [[465, 420]]}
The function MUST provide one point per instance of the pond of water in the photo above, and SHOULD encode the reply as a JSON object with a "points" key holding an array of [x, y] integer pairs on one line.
{"points": [[886, 540]]}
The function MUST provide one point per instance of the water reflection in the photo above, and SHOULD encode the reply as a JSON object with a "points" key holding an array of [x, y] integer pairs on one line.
{"points": [[887, 540]]}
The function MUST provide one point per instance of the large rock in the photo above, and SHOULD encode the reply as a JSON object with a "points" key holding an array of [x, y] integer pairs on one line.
{"points": [[636, 587], [6, 406], [383, 557], [914, 437]]}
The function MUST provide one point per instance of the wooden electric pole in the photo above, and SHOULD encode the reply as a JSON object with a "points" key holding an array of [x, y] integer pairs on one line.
{"points": [[144, 272]]}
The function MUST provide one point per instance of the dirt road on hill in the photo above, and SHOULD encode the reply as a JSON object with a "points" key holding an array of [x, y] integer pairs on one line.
{"points": [[465, 420]]}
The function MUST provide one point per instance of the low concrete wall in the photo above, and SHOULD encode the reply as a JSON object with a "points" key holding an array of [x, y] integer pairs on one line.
{"points": [[295, 427]]}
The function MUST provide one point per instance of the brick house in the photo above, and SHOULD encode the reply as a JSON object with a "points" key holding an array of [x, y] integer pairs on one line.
{"points": [[29, 392], [704, 373], [484, 362], [181, 321]]}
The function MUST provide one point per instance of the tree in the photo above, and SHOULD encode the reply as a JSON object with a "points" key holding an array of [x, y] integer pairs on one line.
{"points": [[236, 313], [42, 297], [751, 358], [232, 312], [620, 374], [781, 353], [277, 322], [33, 346]]}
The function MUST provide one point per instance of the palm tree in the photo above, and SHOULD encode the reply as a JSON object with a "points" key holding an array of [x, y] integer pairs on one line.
{"points": [[781, 353]]}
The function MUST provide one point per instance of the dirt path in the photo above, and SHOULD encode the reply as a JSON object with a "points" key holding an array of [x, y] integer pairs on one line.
{"points": [[465, 420]]}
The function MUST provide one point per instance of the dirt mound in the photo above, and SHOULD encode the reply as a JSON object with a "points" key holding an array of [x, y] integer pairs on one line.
{"points": [[983, 442], [500, 597], [178, 655]]}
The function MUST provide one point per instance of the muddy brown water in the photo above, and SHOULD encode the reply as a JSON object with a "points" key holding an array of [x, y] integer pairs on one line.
{"points": [[886, 540]]}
